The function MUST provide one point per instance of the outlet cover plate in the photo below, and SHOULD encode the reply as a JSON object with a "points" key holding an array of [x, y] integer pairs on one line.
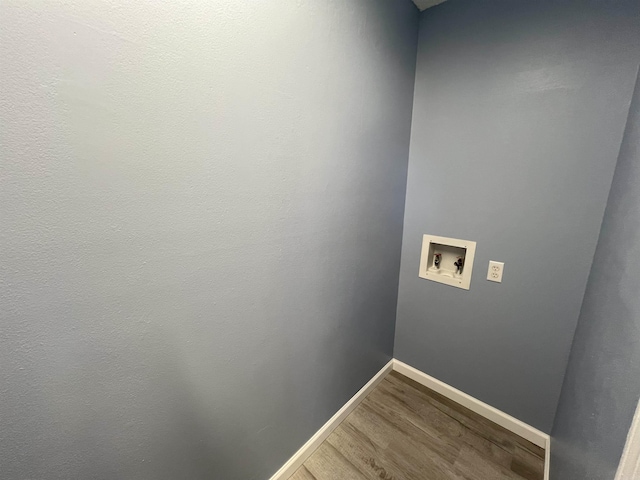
{"points": [[496, 269]]}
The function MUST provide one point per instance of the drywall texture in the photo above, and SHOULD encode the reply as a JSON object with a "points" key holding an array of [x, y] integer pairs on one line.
{"points": [[602, 384], [519, 112], [201, 212]]}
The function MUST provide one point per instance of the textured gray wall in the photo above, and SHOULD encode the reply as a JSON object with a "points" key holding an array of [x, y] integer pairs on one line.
{"points": [[602, 384], [519, 112], [201, 209]]}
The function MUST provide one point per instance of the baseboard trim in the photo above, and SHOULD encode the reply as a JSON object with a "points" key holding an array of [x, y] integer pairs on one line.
{"points": [[504, 420], [321, 435], [496, 416], [629, 467], [547, 459]]}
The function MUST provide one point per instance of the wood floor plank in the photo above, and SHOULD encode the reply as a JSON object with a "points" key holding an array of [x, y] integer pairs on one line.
{"points": [[470, 419], [420, 411], [527, 466], [327, 463], [429, 408], [474, 466], [372, 462], [472, 416], [487, 449], [393, 462], [405, 431], [428, 417], [419, 461], [302, 474], [424, 399], [414, 425]]}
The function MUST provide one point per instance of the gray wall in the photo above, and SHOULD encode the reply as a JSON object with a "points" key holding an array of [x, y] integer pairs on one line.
{"points": [[602, 384], [201, 209], [519, 112]]}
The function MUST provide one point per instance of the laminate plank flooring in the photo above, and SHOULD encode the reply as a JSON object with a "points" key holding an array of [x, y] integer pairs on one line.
{"points": [[405, 431]]}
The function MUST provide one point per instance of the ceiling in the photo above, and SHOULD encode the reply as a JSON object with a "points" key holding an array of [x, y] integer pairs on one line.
{"points": [[424, 4]]}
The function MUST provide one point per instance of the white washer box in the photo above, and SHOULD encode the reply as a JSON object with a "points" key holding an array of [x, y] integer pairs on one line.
{"points": [[450, 251]]}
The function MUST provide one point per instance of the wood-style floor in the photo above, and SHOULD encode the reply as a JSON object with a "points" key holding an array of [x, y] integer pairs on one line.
{"points": [[405, 431]]}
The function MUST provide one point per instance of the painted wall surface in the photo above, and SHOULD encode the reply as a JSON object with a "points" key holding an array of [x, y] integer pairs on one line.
{"points": [[602, 384], [519, 112], [201, 209]]}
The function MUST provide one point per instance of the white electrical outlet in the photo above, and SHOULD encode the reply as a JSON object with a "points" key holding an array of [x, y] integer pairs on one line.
{"points": [[495, 271]]}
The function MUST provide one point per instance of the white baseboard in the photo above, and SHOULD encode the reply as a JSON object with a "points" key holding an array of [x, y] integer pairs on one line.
{"points": [[507, 421], [629, 467], [321, 435], [547, 459]]}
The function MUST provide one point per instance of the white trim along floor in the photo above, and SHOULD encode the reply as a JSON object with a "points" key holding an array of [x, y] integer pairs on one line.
{"points": [[629, 468]]}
